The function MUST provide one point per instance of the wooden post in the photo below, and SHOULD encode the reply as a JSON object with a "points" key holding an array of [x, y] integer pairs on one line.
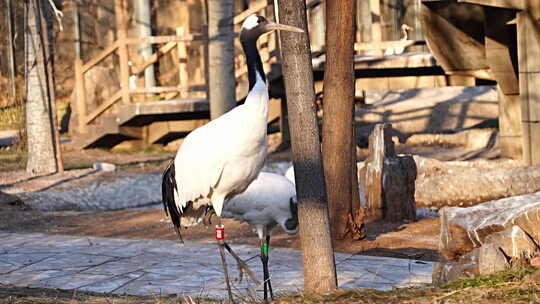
{"points": [[80, 94], [363, 23], [121, 31], [317, 23], [222, 83], [501, 55], [528, 36], [376, 28], [182, 63], [389, 180]]}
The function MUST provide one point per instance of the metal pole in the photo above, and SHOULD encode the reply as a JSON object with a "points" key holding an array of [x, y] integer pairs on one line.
{"points": [[144, 23], [221, 80]]}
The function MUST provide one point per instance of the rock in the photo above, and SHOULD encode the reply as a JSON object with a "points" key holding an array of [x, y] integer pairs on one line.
{"points": [[106, 167], [463, 229], [535, 262], [491, 259], [514, 242], [447, 271]]}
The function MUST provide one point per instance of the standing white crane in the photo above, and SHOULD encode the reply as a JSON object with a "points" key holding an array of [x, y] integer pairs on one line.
{"points": [[268, 202], [404, 43], [220, 159]]}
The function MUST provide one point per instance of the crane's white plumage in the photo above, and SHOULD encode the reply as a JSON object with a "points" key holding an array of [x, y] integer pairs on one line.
{"points": [[220, 159], [269, 201]]}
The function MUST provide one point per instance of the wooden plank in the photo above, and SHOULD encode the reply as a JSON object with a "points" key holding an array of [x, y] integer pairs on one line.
{"points": [[528, 36], [102, 55], [376, 29], [120, 7], [80, 94], [159, 129], [181, 48], [362, 46], [254, 7], [104, 106], [164, 39], [454, 34], [158, 90], [510, 134], [501, 48], [154, 58], [512, 4]]}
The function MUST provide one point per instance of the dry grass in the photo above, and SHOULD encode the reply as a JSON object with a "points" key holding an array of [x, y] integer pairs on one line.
{"points": [[513, 286]]}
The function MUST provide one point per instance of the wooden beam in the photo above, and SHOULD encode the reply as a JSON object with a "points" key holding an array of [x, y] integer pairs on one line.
{"points": [[512, 4], [157, 90], [528, 36], [362, 46], [80, 94], [154, 58], [120, 7], [181, 48], [254, 7], [102, 55], [104, 106], [376, 28], [164, 39]]}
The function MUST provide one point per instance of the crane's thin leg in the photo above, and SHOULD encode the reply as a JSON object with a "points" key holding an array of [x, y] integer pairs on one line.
{"points": [[269, 282], [264, 260], [225, 271]]}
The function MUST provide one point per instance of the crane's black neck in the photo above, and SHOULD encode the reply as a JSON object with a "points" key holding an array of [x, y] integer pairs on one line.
{"points": [[254, 63]]}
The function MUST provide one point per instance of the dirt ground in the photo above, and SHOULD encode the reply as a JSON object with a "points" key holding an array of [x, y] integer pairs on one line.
{"points": [[402, 240]]}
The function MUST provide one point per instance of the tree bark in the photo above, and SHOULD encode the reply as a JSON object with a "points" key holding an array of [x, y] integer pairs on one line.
{"points": [[221, 80], [317, 248], [39, 122], [338, 115]]}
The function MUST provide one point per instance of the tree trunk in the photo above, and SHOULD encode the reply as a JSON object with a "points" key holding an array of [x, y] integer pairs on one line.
{"points": [[39, 122], [338, 114], [317, 248], [11, 51], [221, 82]]}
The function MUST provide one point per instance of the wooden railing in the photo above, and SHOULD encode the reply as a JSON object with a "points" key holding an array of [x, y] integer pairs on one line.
{"points": [[170, 43], [268, 47]]}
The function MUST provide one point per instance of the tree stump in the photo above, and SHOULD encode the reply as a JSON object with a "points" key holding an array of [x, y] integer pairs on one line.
{"points": [[388, 179]]}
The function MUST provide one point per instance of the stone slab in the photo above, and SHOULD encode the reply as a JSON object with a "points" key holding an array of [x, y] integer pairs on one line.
{"points": [[155, 267]]}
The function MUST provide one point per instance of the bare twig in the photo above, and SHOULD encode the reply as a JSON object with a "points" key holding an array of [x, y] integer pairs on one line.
{"points": [[58, 14], [446, 295]]}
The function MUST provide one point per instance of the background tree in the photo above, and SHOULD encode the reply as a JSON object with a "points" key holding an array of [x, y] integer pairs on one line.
{"points": [[338, 119], [43, 155], [317, 248]]}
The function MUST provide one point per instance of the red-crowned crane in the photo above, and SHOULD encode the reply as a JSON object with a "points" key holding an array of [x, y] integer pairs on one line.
{"points": [[220, 159], [268, 202]]}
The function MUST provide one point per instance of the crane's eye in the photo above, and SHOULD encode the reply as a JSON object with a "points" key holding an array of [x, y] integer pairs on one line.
{"points": [[260, 19]]}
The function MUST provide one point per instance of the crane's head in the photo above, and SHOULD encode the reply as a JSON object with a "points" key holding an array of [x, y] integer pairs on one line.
{"points": [[255, 26], [291, 224]]}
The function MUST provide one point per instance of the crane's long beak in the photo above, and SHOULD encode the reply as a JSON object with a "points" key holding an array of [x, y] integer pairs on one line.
{"points": [[271, 26]]}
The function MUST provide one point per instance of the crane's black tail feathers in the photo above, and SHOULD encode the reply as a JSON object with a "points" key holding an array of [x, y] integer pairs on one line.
{"points": [[168, 188]]}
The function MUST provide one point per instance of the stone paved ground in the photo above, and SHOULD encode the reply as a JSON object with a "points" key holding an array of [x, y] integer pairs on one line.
{"points": [[152, 267]]}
